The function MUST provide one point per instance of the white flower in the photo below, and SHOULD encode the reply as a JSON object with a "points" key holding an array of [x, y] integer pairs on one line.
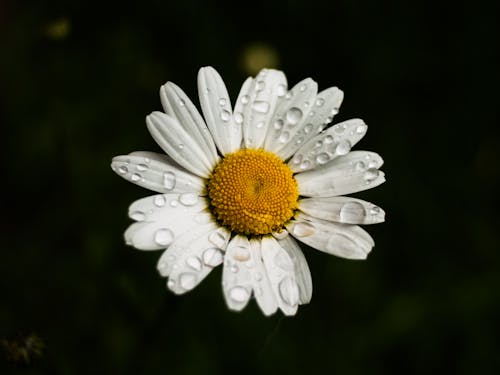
{"points": [[237, 182]]}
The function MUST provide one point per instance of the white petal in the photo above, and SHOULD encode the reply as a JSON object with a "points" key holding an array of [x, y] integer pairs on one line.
{"points": [[356, 171], [281, 273], [291, 113], [302, 273], [161, 220], [178, 105], [216, 107], [269, 85], [191, 258], [344, 210], [261, 286], [156, 172], [237, 282], [178, 142], [325, 106], [342, 240], [323, 148], [210, 240], [242, 102]]}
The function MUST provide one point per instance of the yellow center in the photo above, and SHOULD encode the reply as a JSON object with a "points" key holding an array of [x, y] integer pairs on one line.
{"points": [[252, 192]]}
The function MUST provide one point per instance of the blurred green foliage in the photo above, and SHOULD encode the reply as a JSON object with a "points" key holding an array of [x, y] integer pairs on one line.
{"points": [[79, 77]]}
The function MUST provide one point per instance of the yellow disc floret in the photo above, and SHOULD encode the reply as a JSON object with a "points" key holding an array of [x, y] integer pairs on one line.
{"points": [[252, 192]]}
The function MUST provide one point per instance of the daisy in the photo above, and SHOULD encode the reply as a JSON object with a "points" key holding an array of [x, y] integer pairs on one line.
{"points": [[238, 186]]}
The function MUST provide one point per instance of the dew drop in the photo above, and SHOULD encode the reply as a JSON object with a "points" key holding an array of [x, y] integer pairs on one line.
{"points": [[234, 268], [174, 203], [142, 167], [322, 158], [352, 213], [225, 115], [293, 115], [218, 239], [303, 229], [281, 235], [147, 160], [284, 137], [159, 200], [189, 199], [318, 144], [163, 237], [289, 291], [299, 140], [308, 128], [278, 124], [245, 99], [260, 106], [238, 117], [212, 257], [239, 294], [328, 139], [339, 129], [361, 129], [241, 254], [297, 159], [180, 146], [260, 85], [137, 216], [281, 90], [182, 103], [306, 164], [170, 283], [343, 147], [371, 174], [135, 177], [187, 280], [374, 210], [289, 95], [260, 125], [303, 88], [359, 166], [168, 180], [320, 102], [312, 113], [122, 169], [194, 262], [222, 102]]}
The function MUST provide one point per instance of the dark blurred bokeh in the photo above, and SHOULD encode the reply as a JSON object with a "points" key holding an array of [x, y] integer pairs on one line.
{"points": [[77, 79]]}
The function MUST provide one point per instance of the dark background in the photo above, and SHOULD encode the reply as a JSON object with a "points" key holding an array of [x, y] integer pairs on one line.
{"points": [[77, 79]]}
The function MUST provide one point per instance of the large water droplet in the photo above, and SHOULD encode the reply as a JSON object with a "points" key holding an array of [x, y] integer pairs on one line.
{"points": [[168, 180], [137, 216], [159, 200], [289, 291], [194, 262], [187, 280], [293, 115], [343, 147], [189, 199], [122, 169], [371, 174], [303, 229], [142, 167], [163, 237], [225, 115], [260, 106], [218, 239], [241, 254], [322, 158], [212, 257], [135, 177], [352, 213], [239, 294]]}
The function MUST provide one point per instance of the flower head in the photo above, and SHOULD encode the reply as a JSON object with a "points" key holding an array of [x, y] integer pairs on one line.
{"points": [[238, 185]]}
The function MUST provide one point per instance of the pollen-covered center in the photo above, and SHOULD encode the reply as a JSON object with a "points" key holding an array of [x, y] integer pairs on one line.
{"points": [[252, 192]]}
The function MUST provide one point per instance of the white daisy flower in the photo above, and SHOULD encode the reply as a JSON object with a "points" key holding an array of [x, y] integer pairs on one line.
{"points": [[238, 184]]}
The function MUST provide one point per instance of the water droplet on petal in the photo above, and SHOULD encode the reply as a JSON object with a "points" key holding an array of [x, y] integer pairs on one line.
{"points": [[303, 229], [225, 115], [238, 117], [374, 210], [299, 140], [218, 239], [189, 199], [174, 203], [182, 103], [284, 137], [222, 102], [194, 262], [187, 280], [318, 144], [260, 85], [281, 90], [163, 237], [168, 180], [289, 291], [212, 257], [138, 216], [297, 159], [142, 167], [303, 87], [180, 146], [135, 177], [289, 95], [320, 102], [293, 115], [322, 158], [159, 200], [352, 213], [278, 124], [171, 283], [239, 294], [305, 164], [359, 166], [308, 128], [371, 174], [260, 106], [259, 125], [234, 268], [328, 139], [241, 254], [245, 99], [361, 129], [343, 147], [122, 169]]}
